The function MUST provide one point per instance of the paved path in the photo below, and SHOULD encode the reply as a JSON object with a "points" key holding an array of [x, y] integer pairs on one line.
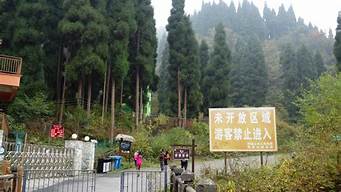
{"points": [[111, 182]]}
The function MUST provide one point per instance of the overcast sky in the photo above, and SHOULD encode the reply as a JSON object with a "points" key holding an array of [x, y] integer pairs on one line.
{"points": [[322, 13]]}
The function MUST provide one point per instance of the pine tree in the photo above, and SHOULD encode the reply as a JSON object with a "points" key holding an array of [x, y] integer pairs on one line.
{"points": [[298, 68], [191, 74], [337, 46], [290, 76], [143, 45], [163, 88], [121, 23], [318, 64], [27, 42], [204, 60], [176, 39], [305, 66], [249, 74], [217, 79], [85, 34]]}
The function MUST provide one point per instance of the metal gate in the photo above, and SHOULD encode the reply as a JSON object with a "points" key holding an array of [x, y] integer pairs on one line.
{"points": [[143, 181], [59, 181], [39, 157]]}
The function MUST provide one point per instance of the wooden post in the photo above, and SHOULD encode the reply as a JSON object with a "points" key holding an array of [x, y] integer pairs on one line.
{"points": [[5, 169], [20, 179], [261, 159], [193, 154], [225, 163]]}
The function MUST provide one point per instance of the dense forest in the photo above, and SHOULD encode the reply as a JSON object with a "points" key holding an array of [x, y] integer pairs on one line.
{"points": [[247, 59], [91, 65], [80, 58]]}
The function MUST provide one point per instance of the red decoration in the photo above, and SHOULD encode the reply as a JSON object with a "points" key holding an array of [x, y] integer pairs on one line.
{"points": [[57, 130]]}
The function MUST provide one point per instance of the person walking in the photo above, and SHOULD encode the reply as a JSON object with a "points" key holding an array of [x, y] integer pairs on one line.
{"points": [[184, 164], [139, 161], [166, 158], [161, 159]]}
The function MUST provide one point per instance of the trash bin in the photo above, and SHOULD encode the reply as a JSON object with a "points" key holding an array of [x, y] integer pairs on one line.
{"points": [[117, 161], [104, 165]]}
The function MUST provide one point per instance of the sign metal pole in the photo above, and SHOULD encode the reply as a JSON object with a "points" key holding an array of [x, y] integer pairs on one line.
{"points": [[193, 154]]}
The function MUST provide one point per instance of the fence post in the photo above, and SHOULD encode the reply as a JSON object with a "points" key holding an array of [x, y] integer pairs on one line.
{"points": [[21, 183], [166, 178], [122, 182]]}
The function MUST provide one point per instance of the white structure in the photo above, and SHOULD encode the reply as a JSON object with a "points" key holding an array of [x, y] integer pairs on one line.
{"points": [[84, 158]]}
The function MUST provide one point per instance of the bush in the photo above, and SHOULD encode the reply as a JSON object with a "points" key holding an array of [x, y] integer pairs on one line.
{"points": [[165, 140]]}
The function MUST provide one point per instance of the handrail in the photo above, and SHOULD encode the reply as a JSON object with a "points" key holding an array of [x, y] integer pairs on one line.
{"points": [[10, 64]]}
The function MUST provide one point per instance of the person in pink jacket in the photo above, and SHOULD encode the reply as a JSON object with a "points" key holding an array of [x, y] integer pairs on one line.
{"points": [[139, 161]]}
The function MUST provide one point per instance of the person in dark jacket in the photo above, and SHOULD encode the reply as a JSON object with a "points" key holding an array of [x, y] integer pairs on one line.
{"points": [[161, 159]]}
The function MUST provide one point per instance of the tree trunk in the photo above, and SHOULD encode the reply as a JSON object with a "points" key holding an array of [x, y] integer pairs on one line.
{"points": [[108, 84], [137, 98], [61, 113], [112, 111], [179, 97], [59, 79], [185, 109], [88, 110], [121, 95], [141, 105], [104, 93], [80, 93]]}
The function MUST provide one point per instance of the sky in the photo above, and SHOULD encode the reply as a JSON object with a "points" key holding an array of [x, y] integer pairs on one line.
{"points": [[322, 13]]}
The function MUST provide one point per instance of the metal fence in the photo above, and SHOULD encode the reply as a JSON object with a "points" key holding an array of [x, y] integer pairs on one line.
{"points": [[39, 157], [143, 181], [59, 181]]}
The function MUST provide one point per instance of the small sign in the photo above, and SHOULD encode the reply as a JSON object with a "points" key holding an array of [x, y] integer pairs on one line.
{"points": [[181, 154], [125, 146], [242, 129], [57, 131]]}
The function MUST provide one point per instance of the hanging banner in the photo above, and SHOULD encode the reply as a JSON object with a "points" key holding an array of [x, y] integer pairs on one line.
{"points": [[57, 131], [242, 129]]}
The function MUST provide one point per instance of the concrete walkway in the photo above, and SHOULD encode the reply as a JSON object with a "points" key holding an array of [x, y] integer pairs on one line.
{"points": [[111, 182]]}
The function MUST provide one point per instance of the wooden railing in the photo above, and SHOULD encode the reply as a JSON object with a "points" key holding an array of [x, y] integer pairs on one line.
{"points": [[9, 64]]}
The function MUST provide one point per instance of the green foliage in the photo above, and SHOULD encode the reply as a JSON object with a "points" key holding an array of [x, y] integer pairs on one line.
{"points": [[320, 106], [249, 67], [85, 35], [76, 119], [216, 76], [26, 108], [200, 131], [143, 143], [166, 139], [337, 45]]}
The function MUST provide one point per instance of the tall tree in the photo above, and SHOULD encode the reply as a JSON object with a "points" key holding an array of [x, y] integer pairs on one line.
{"points": [[318, 64], [143, 47], [85, 34], [305, 66], [28, 41], [337, 46], [217, 79], [176, 39], [290, 77], [191, 74], [163, 88], [249, 74], [204, 55], [121, 23]]}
